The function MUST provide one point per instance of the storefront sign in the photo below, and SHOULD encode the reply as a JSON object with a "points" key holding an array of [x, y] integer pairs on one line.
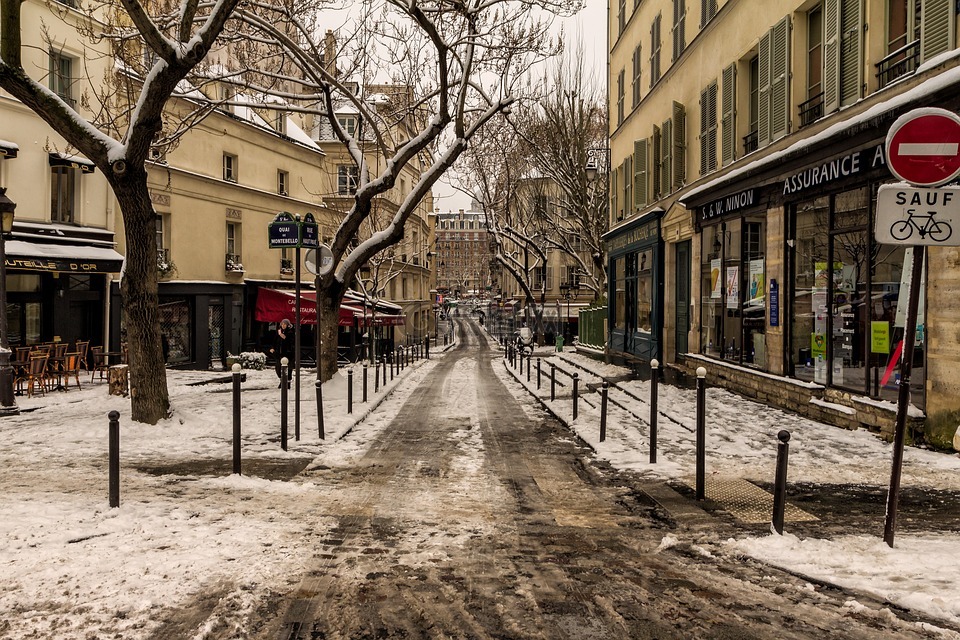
{"points": [[730, 204], [880, 336], [774, 303], [64, 265], [836, 169], [640, 234]]}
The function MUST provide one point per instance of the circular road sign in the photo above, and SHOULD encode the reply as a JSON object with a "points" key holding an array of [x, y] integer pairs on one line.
{"points": [[923, 147]]}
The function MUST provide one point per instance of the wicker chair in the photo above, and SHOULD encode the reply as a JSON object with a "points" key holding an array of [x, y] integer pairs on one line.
{"points": [[71, 369], [37, 372]]}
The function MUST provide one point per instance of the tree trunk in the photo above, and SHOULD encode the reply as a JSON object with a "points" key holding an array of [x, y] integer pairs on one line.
{"points": [[149, 399], [328, 306]]}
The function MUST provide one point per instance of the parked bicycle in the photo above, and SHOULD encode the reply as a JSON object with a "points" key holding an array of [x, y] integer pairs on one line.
{"points": [[938, 230]]}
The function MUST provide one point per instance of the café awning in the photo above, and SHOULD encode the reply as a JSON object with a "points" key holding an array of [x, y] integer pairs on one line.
{"points": [[62, 258], [273, 305]]}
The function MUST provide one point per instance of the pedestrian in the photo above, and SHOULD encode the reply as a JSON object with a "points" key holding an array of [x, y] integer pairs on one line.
{"points": [[284, 348]]}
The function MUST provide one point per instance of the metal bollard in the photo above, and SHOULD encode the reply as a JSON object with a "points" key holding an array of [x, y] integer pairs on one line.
{"points": [[529, 355], [701, 432], [384, 359], [236, 417], [538, 373], [426, 345], [603, 411], [113, 437], [393, 362], [283, 402], [553, 382], [520, 354], [654, 382], [349, 390], [364, 382], [576, 396], [376, 376], [319, 386], [780, 483]]}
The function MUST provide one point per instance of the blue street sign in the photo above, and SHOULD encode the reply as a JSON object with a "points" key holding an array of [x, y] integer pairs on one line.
{"points": [[309, 232], [284, 231]]}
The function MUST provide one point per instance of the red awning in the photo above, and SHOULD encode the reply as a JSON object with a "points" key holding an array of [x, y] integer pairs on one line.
{"points": [[274, 305]]}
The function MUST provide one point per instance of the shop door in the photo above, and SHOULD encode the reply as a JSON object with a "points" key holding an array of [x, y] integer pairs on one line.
{"points": [[683, 297]]}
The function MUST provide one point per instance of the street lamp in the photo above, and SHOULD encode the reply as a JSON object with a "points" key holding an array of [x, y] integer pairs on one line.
{"points": [[8, 407], [566, 290], [598, 160]]}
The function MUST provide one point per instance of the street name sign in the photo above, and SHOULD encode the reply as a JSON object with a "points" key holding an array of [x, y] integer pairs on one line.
{"points": [[923, 147], [918, 216]]}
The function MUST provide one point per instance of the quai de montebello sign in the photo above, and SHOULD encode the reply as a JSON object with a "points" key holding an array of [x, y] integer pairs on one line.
{"points": [[288, 230]]}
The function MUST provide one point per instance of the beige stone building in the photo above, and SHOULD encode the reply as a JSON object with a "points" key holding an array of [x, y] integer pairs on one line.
{"points": [[747, 147]]}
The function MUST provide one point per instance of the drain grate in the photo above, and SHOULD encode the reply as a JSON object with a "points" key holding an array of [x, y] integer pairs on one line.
{"points": [[747, 502]]}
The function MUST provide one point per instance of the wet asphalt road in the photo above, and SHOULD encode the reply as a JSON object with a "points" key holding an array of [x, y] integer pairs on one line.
{"points": [[471, 517]]}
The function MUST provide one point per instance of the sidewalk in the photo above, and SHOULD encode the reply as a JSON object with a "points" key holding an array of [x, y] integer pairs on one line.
{"points": [[836, 483]]}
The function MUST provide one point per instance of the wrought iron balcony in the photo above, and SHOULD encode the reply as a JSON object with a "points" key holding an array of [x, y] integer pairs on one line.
{"points": [[750, 142], [899, 63], [811, 110]]}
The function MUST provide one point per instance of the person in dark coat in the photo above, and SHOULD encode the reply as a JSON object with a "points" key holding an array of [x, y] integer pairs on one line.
{"points": [[284, 348]]}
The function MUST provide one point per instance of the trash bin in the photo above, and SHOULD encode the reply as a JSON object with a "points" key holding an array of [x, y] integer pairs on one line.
{"points": [[559, 343]]}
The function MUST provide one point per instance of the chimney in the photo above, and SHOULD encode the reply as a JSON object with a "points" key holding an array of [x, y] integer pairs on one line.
{"points": [[330, 53]]}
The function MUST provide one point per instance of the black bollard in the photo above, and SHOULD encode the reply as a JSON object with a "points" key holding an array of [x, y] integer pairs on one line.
{"points": [[780, 483], [520, 355], [113, 444], [576, 397], [603, 411], [349, 390], [319, 386], [701, 432], [553, 382], [538, 373], [283, 403], [529, 355], [384, 359], [364, 382], [654, 381], [236, 418], [393, 362], [376, 376], [426, 346]]}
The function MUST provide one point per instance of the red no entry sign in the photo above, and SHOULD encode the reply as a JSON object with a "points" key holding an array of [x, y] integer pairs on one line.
{"points": [[923, 147]]}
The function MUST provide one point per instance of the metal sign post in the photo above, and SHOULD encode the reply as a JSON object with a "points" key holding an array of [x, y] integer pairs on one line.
{"points": [[923, 149]]}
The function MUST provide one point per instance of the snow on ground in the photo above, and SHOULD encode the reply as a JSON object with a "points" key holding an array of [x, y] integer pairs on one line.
{"points": [[919, 573], [72, 567]]}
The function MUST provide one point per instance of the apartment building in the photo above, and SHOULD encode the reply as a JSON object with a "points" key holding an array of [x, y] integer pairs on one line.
{"points": [[462, 253], [747, 148]]}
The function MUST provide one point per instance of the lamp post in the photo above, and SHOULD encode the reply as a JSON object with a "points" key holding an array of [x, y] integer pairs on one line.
{"points": [[8, 406], [565, 290]]}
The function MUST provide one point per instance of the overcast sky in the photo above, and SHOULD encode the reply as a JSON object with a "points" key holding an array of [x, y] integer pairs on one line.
{"points": [[587, 26]]}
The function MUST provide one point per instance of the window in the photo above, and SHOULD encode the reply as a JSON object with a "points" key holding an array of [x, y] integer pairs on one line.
{"points": [[620, 91], [708, 9], [280, 122], [61, 76], [812, 108], [637, 66], [708, 129], [283, 178], [63, 191], [679, 20], [349, 124], [621, 15], [348, 176], [655, 51], [229, 167], [159, 232], [750, 141], [233, 262]]}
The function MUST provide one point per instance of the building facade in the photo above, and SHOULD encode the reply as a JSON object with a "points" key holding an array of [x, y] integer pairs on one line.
{"points": [[752, 133]]}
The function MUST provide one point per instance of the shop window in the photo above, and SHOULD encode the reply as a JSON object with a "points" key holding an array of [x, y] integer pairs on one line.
{"points": [[175, 325], [63, 193], [619, 299], [645, 291]]}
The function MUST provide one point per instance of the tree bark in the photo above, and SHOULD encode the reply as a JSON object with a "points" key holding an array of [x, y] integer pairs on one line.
{"points": [[149, 399], [328, 306]]}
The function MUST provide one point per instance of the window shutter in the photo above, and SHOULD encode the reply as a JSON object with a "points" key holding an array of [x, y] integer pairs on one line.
{"points": [[831, 56], [628, 185], [704, 128], [779, 78], [666, 151], [728, 133], [763, 91], [549, 278], [679, 18], [708, 9], [640, 174], [936, 28], [614, 212], [680, 142], [851, 31], [655, 158]]}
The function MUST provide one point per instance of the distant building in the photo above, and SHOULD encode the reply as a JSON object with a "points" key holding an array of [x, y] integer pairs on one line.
{"points": [[463, 253]]}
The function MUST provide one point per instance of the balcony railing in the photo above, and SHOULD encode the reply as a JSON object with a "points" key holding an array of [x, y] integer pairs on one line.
{"points": [[750, 142], [899, 63], [232, 263], [811, 110]]}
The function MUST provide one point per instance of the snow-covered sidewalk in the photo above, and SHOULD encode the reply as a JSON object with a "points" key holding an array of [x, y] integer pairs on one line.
{"points": [[741, 435]]}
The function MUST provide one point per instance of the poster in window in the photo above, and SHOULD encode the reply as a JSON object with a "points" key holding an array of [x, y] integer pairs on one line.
{"points": [[733, 287], [757, 284], [715, 282]]}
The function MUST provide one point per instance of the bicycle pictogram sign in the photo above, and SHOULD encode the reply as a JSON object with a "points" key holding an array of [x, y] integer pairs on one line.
{"points": [[938, 230], [917, 216]]}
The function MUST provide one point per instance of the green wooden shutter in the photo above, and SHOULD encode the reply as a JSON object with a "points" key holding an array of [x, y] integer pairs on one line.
{"points": [[640, 196], [936, 28], [614, 212], [628, 185], [680, 143], [831, 56], [851, 33], [763, 91], [666, 157], [780, 79], [656, 143], [704, 127], [728, 133]]}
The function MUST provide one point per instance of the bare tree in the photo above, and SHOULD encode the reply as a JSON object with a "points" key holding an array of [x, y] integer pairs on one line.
{"points": [[179, 37]]}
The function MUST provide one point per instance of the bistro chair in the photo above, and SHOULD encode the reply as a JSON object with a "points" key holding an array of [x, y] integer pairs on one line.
{"points": [[71, 369], [99, 362], [37, 372], [82, 347]]}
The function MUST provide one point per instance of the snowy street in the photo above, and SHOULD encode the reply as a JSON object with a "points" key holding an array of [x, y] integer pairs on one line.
{"points": [[453, 505]]}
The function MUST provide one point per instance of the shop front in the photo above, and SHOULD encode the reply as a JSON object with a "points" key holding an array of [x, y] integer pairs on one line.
{"points": [[635, 293]]}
